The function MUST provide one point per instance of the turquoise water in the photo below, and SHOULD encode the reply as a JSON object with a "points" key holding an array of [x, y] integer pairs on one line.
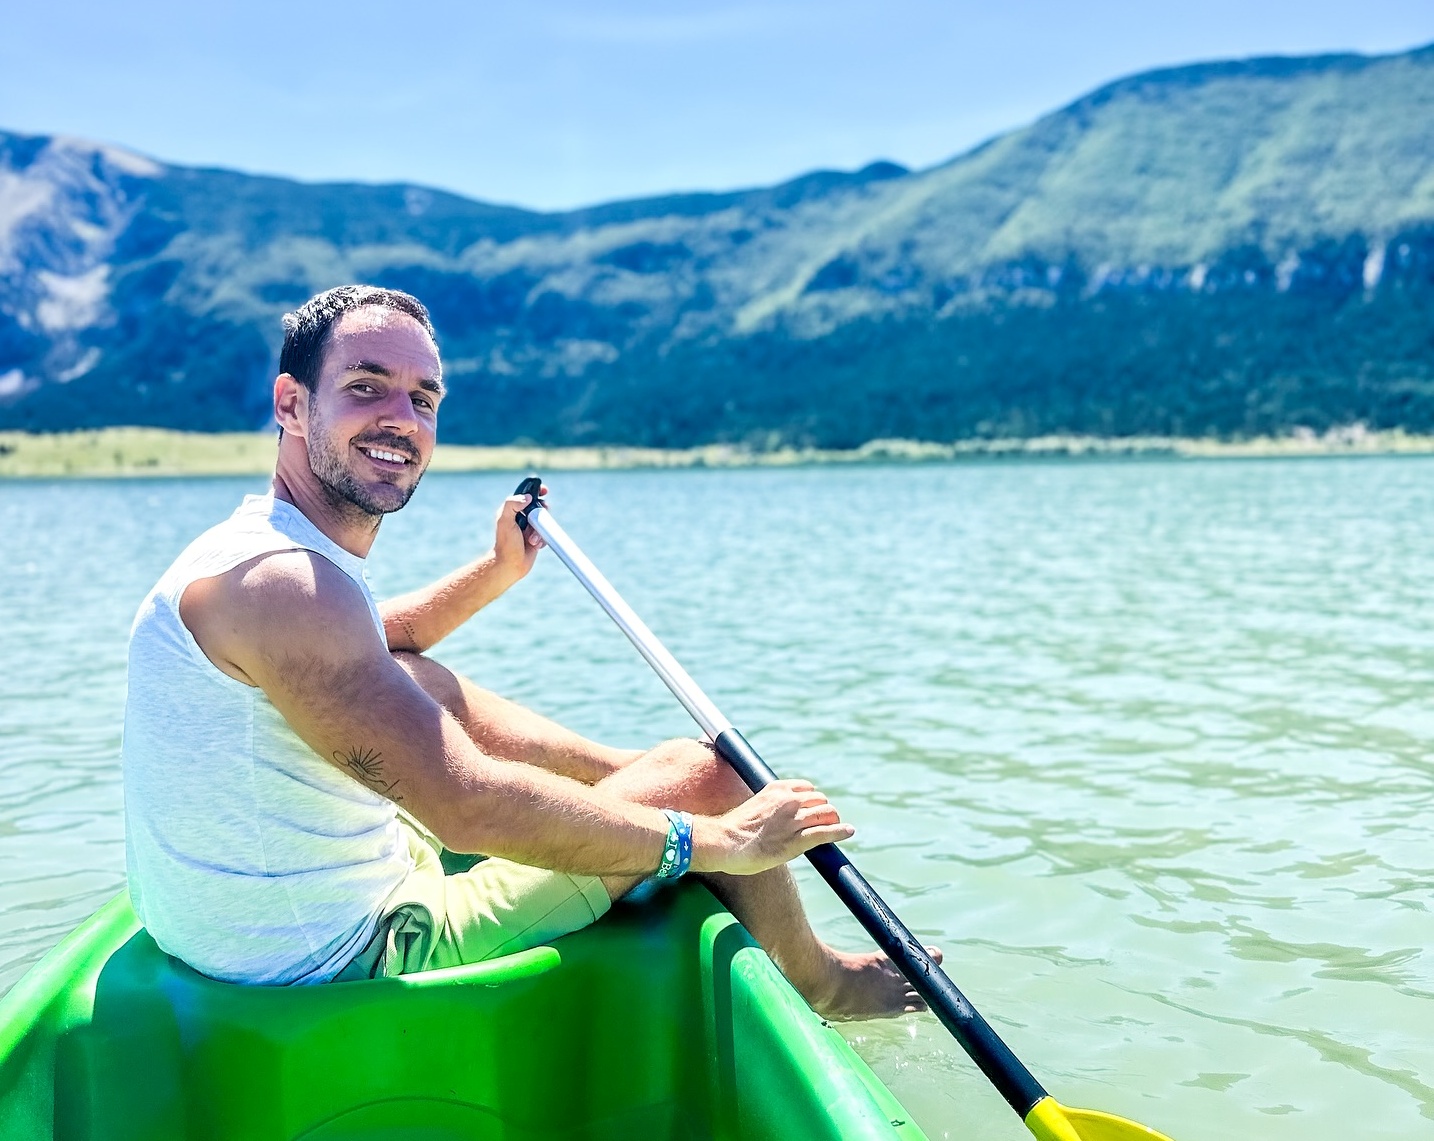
{"points": [[1147, 747]]}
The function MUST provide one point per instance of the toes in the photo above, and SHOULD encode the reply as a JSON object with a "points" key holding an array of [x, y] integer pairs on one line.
{"points": [[870, 986]]}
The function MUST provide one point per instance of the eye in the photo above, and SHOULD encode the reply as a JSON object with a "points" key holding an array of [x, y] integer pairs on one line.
{"points": [[362, 386]]}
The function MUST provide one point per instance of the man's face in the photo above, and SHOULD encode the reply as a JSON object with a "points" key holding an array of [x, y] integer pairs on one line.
{"points": [[373, 414]]}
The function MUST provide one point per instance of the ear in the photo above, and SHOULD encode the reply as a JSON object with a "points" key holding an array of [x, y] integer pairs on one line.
{"points": [[291, 405]]}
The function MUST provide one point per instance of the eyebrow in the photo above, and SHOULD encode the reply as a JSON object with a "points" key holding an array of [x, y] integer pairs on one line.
{"points": [[428, 383]]}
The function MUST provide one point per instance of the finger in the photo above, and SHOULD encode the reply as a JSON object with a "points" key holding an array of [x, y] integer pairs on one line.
{"points": [[816, 815], [827, 834], [793, 785]]}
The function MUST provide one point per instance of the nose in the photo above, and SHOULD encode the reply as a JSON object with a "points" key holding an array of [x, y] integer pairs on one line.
{"points": [[397, 414]]}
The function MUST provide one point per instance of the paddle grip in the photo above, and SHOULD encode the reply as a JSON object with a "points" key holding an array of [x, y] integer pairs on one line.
{"points": [[530, 486], [1005, 1071]]}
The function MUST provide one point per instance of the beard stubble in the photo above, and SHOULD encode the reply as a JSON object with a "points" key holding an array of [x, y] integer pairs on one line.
{"points": [[329, 465]]}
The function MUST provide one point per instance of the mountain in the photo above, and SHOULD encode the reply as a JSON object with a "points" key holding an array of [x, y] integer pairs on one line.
{"points": [[1225, 248]]}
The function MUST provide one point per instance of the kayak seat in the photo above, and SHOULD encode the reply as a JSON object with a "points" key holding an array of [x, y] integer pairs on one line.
{"points": [[583, 1039]]}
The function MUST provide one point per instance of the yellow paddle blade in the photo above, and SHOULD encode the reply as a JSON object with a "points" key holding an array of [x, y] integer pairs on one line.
{"points": [[1051, 1121]]}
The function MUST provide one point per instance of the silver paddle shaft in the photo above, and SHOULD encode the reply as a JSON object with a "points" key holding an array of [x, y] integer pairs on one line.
{"points": [[677, 679]]}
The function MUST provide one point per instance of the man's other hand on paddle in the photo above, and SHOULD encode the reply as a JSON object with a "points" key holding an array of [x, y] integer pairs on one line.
{"points": [[514, 548]]}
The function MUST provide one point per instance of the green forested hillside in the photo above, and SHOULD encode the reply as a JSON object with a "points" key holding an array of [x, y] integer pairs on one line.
{"points": [[1224, 249]]}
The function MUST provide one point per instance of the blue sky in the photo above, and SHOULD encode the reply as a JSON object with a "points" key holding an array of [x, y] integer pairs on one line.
{"points": [[552, 104]]}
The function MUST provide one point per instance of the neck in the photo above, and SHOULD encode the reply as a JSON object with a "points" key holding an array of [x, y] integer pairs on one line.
{"points": [[294, 482]]}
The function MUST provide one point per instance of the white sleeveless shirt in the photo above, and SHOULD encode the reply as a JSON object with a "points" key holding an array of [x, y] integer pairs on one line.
{"points": [[250, 857]]}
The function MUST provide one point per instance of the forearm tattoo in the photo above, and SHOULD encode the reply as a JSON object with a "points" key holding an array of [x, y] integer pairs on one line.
{"points": [[412, 635], [366, 765]]}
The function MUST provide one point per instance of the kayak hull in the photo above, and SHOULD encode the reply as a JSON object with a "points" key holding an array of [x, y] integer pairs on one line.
{"points": [[663, 1021]]}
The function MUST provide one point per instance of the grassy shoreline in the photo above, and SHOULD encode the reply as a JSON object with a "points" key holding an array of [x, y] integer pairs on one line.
{"points": [[139, 452]]}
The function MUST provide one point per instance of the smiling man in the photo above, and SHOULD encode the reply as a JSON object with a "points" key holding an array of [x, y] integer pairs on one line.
{"points": [[295, 766]]}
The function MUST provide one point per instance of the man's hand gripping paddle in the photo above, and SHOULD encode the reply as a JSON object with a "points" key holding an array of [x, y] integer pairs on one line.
{"points": [[1046, 1118]]}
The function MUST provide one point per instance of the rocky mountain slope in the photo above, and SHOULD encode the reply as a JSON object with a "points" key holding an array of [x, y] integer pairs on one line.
{"points": [[1222, 248]]}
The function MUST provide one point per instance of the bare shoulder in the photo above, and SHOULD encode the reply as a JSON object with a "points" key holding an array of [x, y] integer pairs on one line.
{"points": [[273, 606]]}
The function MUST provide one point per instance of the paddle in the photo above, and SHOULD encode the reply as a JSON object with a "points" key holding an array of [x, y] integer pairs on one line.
{"points": [[1043, 1115]]}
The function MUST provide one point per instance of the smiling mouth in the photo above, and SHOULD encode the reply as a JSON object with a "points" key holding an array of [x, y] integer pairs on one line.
{"points": [[385, 455]]}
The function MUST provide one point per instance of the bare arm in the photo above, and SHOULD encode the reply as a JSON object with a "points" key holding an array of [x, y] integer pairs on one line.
{"points": [[424, 617], [297, 627]]}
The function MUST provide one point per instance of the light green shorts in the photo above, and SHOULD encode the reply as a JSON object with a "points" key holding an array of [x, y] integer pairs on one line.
{"points": [[435, 919]]}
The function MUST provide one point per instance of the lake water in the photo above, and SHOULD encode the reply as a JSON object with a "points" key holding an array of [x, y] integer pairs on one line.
{"points": [[1148, 747]]}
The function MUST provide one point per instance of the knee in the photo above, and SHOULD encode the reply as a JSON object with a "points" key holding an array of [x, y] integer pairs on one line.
{"points": [[696, 768], [414, 664], [436, 680], [685, 753]]}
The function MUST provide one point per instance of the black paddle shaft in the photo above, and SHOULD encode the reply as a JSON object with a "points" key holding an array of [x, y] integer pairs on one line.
{"points": [[1005, 1071]]}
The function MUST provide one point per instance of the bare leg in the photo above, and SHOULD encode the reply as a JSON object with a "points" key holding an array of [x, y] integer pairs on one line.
{"points": [[509, 732], [686, 775]]}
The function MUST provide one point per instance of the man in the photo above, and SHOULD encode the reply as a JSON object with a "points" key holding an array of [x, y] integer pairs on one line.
{"points": [[294, 765]]}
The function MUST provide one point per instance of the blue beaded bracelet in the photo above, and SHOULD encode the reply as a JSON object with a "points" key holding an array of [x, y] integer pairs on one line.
{"points": [[677, 850]]}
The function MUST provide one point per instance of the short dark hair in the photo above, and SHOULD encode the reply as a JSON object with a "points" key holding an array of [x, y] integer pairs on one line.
{"points": [[306, 329]]}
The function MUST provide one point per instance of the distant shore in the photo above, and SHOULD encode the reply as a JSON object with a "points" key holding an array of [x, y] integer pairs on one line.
{"points": [[138, 452]]}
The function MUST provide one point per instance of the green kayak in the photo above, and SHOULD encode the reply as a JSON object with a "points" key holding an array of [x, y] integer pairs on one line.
{"points": [[664, 1021]]}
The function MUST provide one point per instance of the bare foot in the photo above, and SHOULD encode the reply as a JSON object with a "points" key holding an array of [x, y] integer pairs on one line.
{"points": [[850, 986]]}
